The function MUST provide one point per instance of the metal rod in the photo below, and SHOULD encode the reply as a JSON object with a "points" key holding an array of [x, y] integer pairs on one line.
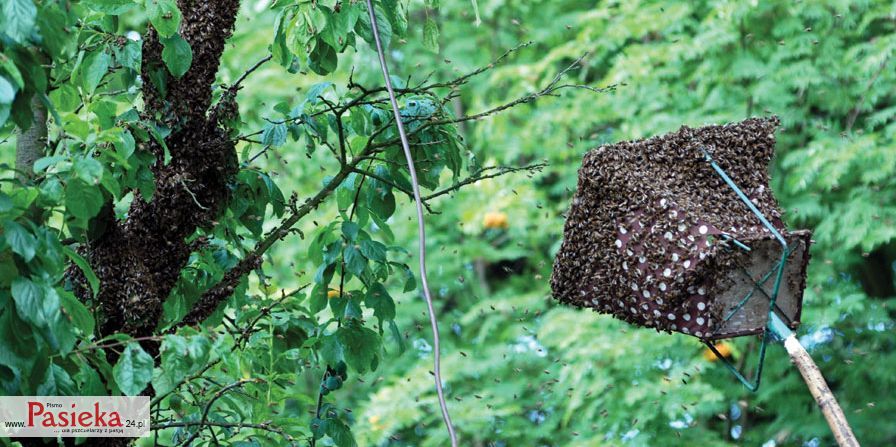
{"points": [[421, 227]]}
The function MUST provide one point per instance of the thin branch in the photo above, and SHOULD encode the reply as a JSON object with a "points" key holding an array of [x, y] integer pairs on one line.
{"points": [[236, 85], [480, 176], [208, 407]]}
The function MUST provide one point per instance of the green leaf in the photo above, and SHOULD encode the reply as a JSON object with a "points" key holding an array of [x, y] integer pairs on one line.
{"points": [[82, 264], [177, 55], [125, 145], [52, 23], [331, 351], [365, 30], [57, 382], [20, 240], [317, 301], [273, 134], [322, 59], [354, 260], [82, 200], [164, 16], [89, 170], [134, 370], [93, 68], [431, 35], [77, 312], [12, 72], [66, 97], [373, 250], [378, 299], [350, 230], [113, 7], [18, 19], [129, 55], [340, 433], [7, 91], [360, 346], [33, 304]]}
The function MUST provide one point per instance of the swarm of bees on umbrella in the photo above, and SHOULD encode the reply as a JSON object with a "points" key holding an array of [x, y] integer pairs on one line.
{"points": [[656, 237]]}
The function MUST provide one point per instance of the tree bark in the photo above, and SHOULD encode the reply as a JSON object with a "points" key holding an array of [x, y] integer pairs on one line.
{"points": [[31, 143]]}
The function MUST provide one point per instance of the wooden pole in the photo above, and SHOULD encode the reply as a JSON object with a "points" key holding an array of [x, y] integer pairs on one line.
{"points": [[821, 392]]}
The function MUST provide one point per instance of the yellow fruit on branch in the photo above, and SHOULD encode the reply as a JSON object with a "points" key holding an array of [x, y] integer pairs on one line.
{"points": [[495, 219], [332, 293], [723, 348]]}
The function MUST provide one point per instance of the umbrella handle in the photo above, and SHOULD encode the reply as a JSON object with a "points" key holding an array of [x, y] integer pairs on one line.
{"points": [[821, 392]]}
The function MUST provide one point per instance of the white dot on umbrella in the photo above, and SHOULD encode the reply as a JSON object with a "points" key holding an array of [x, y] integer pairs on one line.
{"points": [[635, 286], [687, 317], [663, 286], [673, 214], [622, 230], [681, 227], [701, 305], [700, 321], [670, 316], [663, 203], [667, 273], [701, 291], [644, 306], [668, 235], [633, 310], [703, 229], [625, 266], [659, 301], [686, 330], [629, 252], [687, 263], [698, 333], [656, 312], [646, 294], [618, 243], [642, 259], [674, 257]]}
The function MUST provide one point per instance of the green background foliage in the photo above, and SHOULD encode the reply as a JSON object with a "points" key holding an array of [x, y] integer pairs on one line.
{"points": [[335, 308]]}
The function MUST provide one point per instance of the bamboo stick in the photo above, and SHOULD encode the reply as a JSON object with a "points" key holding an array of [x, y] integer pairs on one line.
{"points": [[825, 399]]}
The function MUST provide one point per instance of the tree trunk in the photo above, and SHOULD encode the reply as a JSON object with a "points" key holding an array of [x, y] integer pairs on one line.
{"points": [[31, 142]]}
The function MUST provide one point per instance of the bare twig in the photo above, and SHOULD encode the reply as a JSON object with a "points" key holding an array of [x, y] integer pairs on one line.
{"points": [[236, 85]]}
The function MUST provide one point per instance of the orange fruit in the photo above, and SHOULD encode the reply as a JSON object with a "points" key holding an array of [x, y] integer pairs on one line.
{"points": [[495, 219], [722, 347], [332, 293]]}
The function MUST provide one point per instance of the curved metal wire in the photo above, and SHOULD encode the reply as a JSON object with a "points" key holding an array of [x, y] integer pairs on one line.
{"points": [[421, 226]]}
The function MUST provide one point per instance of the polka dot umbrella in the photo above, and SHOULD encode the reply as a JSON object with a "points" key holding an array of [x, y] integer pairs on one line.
{"points": [[681, 233]]}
